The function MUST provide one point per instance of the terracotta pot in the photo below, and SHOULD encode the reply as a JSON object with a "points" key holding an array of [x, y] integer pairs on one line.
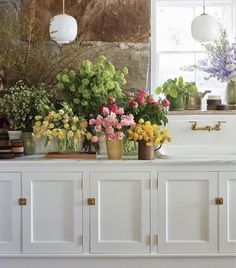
{"points": [[114, 149], [145, 152]]}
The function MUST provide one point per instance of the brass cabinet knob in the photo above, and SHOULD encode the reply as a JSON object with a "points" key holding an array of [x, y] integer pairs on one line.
{"points": [[22, 201], [91, 201], [219, 201]]}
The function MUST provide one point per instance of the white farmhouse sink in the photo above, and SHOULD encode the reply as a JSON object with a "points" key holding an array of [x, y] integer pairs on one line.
{"points": [[201, 142]]}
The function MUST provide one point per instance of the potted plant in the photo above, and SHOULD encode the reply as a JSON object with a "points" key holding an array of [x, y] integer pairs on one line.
{"points": [[20, 105], [176, 91]]}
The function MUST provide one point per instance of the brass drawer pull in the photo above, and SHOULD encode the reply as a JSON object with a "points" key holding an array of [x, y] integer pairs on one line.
{"points": [[91, 201], [216, 127], [22, 201], [219, 201]]}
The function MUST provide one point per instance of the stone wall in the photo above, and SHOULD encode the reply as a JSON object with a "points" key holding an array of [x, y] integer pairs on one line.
{"points": [[119, 29]]}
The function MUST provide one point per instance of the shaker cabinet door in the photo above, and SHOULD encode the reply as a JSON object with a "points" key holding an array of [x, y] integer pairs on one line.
{"points": [[10, 213], [187, 214], [120, 217], [227, 212], [52, 218]]}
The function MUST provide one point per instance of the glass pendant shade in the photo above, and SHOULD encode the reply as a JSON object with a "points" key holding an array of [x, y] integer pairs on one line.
{"points": [[63, 29], [204, 28]]}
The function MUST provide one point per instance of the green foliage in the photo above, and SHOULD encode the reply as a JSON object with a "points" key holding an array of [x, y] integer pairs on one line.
{"points": [[176, 87], [21, 104], [89, 87]]}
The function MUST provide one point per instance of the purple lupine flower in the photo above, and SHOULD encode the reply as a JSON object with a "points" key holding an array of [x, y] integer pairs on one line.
{"points": [[221, 62]]}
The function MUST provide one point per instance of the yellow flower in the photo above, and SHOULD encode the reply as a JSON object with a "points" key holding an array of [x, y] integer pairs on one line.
{"points": [[51, 125], [84, 124], [141, 121], [38, 117], [73, 127], [75, 119], [66, 126], [147, 123]]}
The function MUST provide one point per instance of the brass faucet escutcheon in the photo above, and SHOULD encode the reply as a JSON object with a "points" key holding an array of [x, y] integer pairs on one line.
{"points": [[216, 127]]}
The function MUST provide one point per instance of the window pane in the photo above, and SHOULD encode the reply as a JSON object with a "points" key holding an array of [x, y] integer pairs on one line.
{"points": [[173, 28], [171, 66]]}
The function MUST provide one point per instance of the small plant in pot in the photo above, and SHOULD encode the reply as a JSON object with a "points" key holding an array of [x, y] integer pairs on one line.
{"points": [[20, 105], [176, 90]]}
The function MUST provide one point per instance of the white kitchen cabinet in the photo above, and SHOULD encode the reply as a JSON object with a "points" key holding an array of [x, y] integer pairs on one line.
{"points": [[52, 217], [187, 214], [120, 217], [10, 213], [227, 212]]}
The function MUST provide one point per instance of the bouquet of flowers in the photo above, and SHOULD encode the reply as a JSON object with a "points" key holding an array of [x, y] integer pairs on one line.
{"points": [[111, 123], [62, 124], [221, 62], [145, 106], [22, 103], [152, 134]]}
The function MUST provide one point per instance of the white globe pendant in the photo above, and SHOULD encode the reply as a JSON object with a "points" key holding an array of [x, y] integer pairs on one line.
{"points": [[63, 28], [204, 28]]}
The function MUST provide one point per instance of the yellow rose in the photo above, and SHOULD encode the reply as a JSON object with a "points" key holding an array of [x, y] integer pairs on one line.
{"points": [[66, 126], [38, 117]]}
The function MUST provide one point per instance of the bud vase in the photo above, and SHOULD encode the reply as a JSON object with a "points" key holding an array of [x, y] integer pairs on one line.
{"points": [[145, 152], [28, 143], [230, 97], [114, 149]]}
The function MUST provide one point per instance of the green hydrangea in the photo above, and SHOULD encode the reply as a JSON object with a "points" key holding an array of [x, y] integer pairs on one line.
{"points": [[91, 85]]}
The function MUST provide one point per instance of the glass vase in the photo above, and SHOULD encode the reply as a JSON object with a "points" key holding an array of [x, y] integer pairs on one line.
{"points": [[28, 143], [230, 97], [67, 145]]}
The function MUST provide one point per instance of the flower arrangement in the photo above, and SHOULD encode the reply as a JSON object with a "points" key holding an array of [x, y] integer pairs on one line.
{"points": [[22, 104], [111, 123], [145, 106], [89, 87], [221, 62], [61, 124], [152, 134]]}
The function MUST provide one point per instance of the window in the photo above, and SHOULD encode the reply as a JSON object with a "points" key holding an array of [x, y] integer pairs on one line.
{"points": [[173, 47]]}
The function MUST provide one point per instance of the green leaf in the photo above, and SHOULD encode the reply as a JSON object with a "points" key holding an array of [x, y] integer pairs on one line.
{"points": [[173, 93], [158, 90]]}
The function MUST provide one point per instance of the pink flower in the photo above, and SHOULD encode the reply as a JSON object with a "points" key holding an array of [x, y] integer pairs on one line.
{"points": [[166, 103], [134, 104], [130, 100], [109, 130], [143, 93], [119, 126], [113, 108], [99, 120], [101, 109], [111, 100], [140, 99], [92, 122], [94, 139], [150, 99], [98, 128], [111, 137], [159, 106], [121, 111], [119, 135]]}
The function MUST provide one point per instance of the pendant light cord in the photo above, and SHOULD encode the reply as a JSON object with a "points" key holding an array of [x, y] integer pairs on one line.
{"points": [[204, 7], [63, 6]]}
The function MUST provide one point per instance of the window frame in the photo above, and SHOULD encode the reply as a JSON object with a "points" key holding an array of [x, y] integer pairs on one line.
{"points": [[155, 53]]}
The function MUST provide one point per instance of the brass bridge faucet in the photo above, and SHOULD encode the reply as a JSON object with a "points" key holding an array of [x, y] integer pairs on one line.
{"points": [[216, 127]]}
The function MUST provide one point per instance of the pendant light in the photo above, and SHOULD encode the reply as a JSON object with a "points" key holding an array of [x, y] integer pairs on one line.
{"points": [[63, 28], [204, 28]]}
